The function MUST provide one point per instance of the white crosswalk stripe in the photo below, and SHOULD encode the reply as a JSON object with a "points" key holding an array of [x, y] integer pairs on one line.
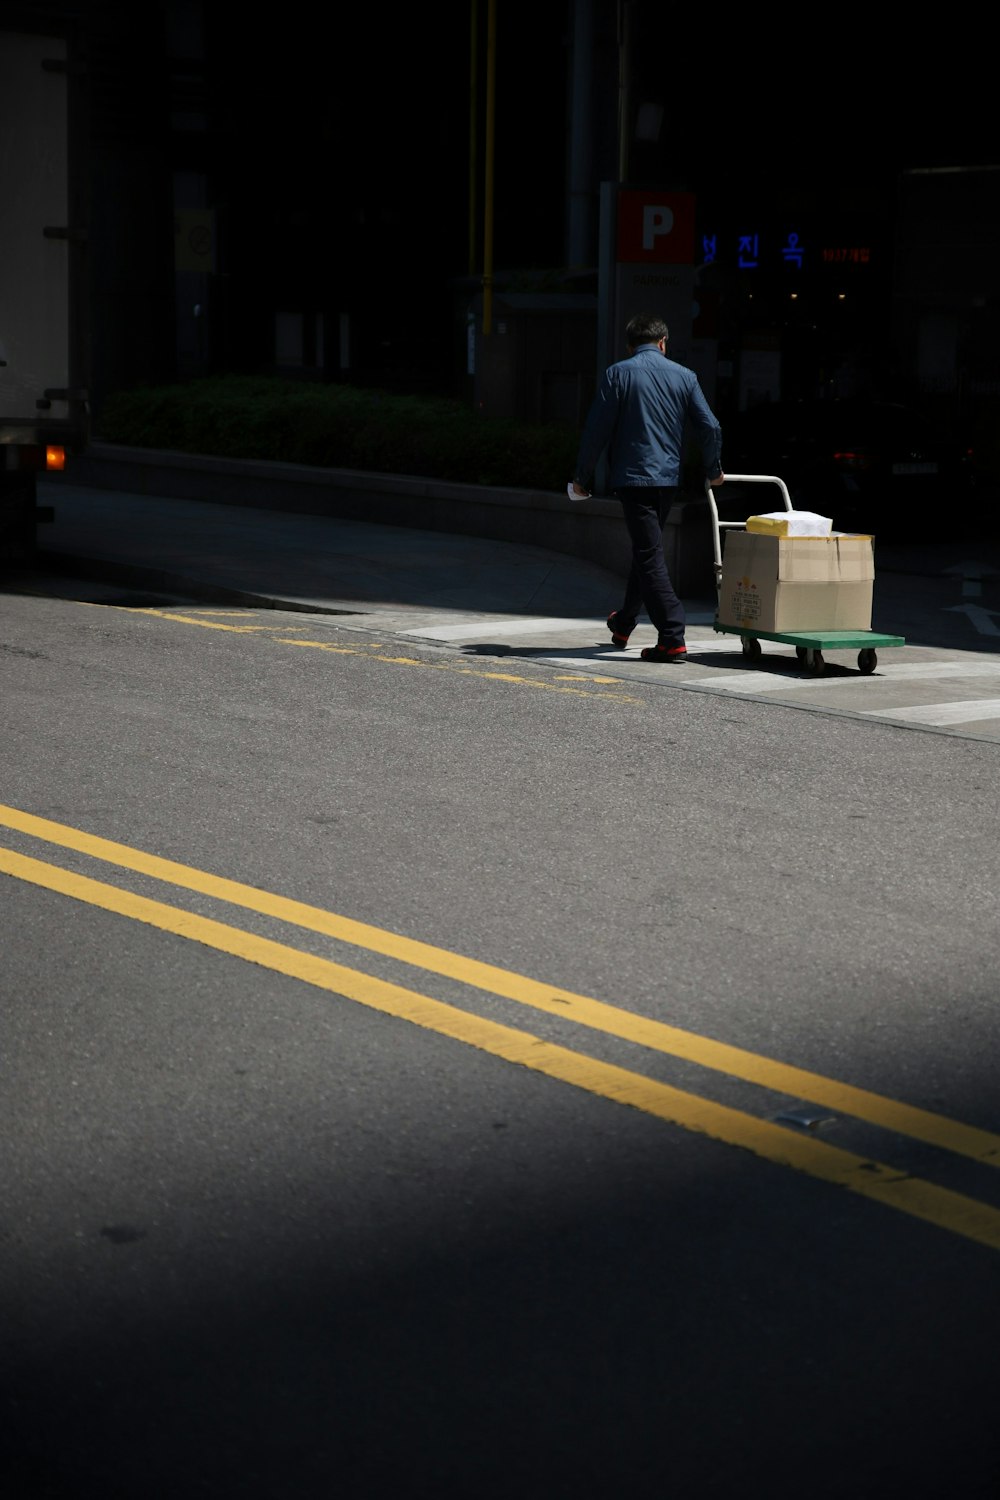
{"points": [[967, 711], [774, 682], [510, 625], [469, 630]]}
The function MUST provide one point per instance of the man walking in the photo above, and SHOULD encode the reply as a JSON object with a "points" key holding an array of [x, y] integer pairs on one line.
{"points": [[643, 409]]}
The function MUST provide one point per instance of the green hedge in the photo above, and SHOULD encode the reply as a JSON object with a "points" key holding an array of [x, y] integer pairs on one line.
{"points": [[340, 427]]}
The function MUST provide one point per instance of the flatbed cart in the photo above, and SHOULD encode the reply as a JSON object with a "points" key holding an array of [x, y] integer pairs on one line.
{"points": [[809, 644]]}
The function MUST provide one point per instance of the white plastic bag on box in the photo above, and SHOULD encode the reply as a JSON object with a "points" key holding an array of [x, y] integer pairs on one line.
{"points": [[790, 523]]}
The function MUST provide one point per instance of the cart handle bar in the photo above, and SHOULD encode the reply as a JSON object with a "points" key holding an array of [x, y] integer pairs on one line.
{"points": [[737, 525]]}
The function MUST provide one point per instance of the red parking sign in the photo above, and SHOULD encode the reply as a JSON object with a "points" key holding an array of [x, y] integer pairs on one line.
{"points": [[655, 227]]}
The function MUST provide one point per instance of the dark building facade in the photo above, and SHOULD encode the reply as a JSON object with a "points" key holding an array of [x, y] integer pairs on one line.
{"points": [[340, 208]]}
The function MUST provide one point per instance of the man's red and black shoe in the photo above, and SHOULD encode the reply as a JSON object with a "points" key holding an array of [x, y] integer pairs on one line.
{"points": [[664, 653], [620, 629]]}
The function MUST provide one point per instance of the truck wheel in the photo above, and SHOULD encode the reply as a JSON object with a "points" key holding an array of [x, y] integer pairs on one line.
{"points": [[18, 529]]}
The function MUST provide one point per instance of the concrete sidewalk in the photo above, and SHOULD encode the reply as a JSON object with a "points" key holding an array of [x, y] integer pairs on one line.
{"points": [[285, 549]]}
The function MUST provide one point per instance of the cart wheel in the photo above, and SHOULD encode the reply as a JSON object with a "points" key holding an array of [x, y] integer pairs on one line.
{"points": [[867, 661], [751, 648], [801, 653], [815, 663]]}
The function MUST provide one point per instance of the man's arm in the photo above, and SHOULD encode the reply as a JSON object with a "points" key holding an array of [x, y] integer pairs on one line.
{"points": [[709, 432], [597, 433]]}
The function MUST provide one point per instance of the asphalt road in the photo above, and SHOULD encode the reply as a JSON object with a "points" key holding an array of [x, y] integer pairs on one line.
{"points": [[465, 1071]]}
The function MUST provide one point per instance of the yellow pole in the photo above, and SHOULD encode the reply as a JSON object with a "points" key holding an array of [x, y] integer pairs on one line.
{"points": [[624, 94], [491, 36], [473, 128]]}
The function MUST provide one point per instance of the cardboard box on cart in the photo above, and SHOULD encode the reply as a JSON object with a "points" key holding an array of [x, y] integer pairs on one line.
{"points": [[783, 584]]}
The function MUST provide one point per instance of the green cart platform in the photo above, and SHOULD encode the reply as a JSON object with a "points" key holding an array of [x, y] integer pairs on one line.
{"points": [[809, 644]]}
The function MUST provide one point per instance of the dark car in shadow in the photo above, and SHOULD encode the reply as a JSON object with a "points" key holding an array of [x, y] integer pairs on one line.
{"points": [[872, 466]]}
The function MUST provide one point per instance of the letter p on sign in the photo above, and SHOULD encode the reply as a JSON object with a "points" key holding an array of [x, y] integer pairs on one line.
{"points": [[657, 220], [655, 227]]}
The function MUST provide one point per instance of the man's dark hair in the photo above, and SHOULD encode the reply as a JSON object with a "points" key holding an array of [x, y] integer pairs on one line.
{"points": [[645, 328]]}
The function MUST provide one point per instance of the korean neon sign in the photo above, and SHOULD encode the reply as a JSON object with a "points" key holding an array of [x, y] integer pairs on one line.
{"points": [[752, 250]]}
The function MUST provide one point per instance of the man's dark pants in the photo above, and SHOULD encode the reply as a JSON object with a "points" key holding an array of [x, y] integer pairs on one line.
{"points": [[645, 509]]}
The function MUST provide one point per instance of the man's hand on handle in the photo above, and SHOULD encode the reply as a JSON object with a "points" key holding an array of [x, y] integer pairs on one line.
{"points": [[576, 491]]}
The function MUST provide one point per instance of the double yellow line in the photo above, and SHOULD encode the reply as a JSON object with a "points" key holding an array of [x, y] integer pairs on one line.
{"points": [[886, 1185]]}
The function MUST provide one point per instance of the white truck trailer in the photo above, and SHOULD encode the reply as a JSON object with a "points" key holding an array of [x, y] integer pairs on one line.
{"points": [[43, 274]]}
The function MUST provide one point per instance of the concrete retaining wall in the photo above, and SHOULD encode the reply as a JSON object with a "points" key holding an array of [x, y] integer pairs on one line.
{"points": [[589, 529]]}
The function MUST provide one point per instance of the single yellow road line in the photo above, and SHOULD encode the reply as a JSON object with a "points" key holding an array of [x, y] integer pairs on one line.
{"points": [[397, 661], [163, 614], [450, 666], [869, 1179], [842, 1098]]}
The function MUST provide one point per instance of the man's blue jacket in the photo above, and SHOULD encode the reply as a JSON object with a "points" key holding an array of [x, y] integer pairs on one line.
{"points": [[643, 409]]}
